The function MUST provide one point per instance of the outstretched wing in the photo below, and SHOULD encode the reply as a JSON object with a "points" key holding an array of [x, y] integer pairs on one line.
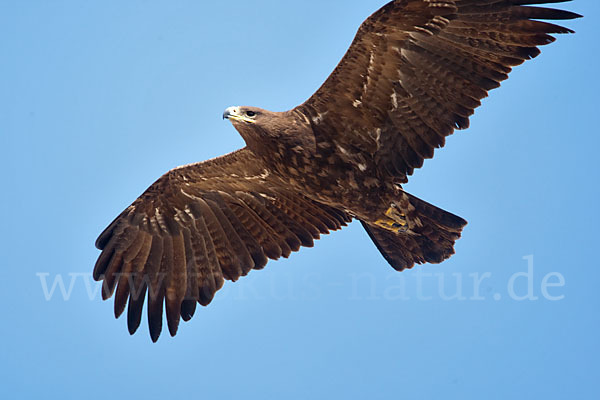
{"points": [[416, 71], [197, 226]]}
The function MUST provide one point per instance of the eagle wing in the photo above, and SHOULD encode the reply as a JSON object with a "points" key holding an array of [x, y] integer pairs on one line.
{"points": [[197, 226], [416, 71]]}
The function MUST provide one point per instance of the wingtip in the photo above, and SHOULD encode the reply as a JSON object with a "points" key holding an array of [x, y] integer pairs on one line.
{"points": [[188, 308], [105, 236], [154, 332], [132, 328], [173, 329]]}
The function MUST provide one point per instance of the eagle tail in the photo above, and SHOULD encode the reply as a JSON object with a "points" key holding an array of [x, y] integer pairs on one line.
{"points": [[430, 237]]}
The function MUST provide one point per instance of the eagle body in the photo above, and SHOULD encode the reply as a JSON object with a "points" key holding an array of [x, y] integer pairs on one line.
{"points": [[415, 73], [288, 145]]}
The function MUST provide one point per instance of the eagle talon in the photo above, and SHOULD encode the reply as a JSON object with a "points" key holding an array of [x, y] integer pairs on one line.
{"points": [[395, 221], [395, 214], [391, 225]]}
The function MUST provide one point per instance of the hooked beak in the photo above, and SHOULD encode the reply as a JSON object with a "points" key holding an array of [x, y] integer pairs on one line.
{"points": [[234, 114]]}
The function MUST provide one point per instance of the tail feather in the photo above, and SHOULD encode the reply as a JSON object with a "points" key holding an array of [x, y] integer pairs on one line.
{"points": [[430, 238]]}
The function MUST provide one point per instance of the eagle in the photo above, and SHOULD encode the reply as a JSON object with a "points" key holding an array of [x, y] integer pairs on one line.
{"points": [[415, 72]]}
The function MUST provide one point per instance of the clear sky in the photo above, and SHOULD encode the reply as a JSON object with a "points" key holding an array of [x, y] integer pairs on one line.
{"points": [[98, 99]]}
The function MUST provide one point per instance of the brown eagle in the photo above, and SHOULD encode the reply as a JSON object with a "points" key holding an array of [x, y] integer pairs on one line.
{"points": [[414, 73]]}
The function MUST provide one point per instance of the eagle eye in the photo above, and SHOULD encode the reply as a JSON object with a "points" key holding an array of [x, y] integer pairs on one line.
{"points": [[250, 113]]}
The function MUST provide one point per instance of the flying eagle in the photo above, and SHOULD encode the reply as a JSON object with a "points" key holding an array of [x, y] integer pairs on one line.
{"points": [[415, 72]]}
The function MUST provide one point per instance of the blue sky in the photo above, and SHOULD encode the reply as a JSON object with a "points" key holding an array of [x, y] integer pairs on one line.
{"points": [[98, 99]]}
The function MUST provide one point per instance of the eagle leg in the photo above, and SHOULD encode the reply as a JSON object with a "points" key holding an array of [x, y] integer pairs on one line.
{"points": [[395, 220]]}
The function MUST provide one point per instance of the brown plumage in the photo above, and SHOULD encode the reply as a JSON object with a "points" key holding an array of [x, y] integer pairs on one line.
{"points": [[414, 73]]}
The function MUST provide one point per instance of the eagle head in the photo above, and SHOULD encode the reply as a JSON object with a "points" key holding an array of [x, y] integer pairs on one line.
{"points": [[264, 130], [254, 124], [243, 115]]}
